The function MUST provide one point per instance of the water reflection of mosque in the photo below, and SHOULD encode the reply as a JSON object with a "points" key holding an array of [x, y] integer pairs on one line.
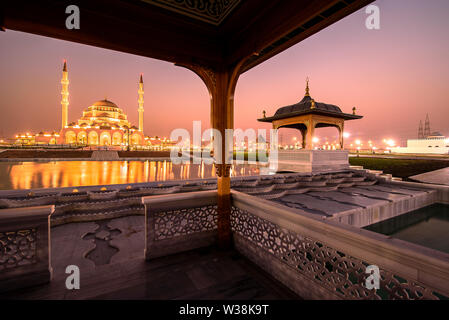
{"points": [[28, 175]]}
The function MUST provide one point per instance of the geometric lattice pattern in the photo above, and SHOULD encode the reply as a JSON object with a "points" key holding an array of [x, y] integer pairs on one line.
{"points": [[170, 224], [17, 248], [324, 265], [212, 11]]}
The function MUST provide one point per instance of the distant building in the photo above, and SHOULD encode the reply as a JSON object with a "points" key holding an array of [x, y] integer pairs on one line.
{"points": [[430, 143], [102, 124]]}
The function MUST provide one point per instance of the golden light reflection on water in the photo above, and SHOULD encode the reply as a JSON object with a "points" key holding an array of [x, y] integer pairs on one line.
{"points": [[28, 175]]}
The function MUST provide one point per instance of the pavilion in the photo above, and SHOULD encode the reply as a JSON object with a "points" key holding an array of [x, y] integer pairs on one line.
{"points": [[307, 115], [218, 42], [316, 254]]}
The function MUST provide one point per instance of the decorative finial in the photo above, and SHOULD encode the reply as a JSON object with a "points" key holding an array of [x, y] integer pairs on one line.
{"points": [[307, 87], [353, 110], [312, 104], [264, 114], [65, 66], [141, 79]]}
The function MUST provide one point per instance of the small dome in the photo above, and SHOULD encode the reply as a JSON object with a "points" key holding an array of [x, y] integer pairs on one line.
{"points": [[105, 103], [435, 134]]}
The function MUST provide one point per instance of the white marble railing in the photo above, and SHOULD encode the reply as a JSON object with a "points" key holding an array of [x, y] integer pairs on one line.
{"points": [[179, 222], [442, 191], [24, 247], [321, 259]]}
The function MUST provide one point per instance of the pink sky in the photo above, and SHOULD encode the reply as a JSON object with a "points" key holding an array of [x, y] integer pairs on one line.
{"points": [[393, 76]]}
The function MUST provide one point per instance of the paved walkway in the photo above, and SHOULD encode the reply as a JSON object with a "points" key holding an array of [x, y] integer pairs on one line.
{"points": [[440, 176], [109, 254], [104, 155]]}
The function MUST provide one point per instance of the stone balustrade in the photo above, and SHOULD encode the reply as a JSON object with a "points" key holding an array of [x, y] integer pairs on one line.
{"points": [[442, 190], [25, 247], [179, 222], [322, 259], [315, 257]]}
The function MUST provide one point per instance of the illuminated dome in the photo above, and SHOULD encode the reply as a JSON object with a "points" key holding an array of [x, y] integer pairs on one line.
{"points": [[105, 103], [104, 113]]}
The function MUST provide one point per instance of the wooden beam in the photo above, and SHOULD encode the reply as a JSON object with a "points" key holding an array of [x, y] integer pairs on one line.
{"points": [[130, 27], [287, 24]]}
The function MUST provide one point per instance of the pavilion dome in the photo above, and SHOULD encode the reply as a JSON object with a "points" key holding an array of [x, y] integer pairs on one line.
{"points": [[309, 106], [306, 104]]}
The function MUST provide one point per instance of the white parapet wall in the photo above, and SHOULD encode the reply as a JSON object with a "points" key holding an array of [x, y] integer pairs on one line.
{"points": [[179, 222], [322, 259], [25, 247], [315, 257], [312, 161]]}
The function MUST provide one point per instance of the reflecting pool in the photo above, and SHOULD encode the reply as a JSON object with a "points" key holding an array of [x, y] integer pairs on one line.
{"points": [[28, 175], [428, 227]]}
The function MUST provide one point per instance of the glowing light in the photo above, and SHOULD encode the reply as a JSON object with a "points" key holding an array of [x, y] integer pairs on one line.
{"points": [[390, 142], [346, 134], [358, 142], [315, 139]]}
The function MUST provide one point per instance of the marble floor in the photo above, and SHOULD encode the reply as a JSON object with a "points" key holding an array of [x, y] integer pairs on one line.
{"points": [[440, 176], [109, 255]]}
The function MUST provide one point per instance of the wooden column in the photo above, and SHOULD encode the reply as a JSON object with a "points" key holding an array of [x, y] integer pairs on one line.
{"points": [[309, 135], [303, 137], [341, 128], [221, 84]]}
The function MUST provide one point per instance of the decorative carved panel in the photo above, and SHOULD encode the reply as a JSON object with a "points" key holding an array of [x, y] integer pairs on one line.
{"points": [[326, 266], [17, 248], [211, 11], [170, 224]]}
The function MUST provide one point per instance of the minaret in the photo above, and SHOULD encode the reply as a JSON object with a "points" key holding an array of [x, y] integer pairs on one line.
{"points": [[420, 132], [427, 127], [140, 101], [65, 95]]}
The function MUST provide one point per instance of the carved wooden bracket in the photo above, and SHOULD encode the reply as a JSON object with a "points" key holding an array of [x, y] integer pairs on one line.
{"points": [[223, 170]]}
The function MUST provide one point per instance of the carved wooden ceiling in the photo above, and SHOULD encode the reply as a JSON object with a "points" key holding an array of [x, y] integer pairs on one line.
{"points": [[212, 33], [211, 11]]}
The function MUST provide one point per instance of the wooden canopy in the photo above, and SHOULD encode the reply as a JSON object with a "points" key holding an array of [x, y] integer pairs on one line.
{"points": [[216, 39], [204, 32]]}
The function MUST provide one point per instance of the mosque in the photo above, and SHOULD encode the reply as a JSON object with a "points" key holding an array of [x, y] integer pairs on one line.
{"points": [[427, 142], [102, 124]]}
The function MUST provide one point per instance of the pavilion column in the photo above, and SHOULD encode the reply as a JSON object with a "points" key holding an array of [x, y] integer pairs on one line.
{"points": [[303, 137], [309, 135], [222, 118], [221, 84], [341, 128]]}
